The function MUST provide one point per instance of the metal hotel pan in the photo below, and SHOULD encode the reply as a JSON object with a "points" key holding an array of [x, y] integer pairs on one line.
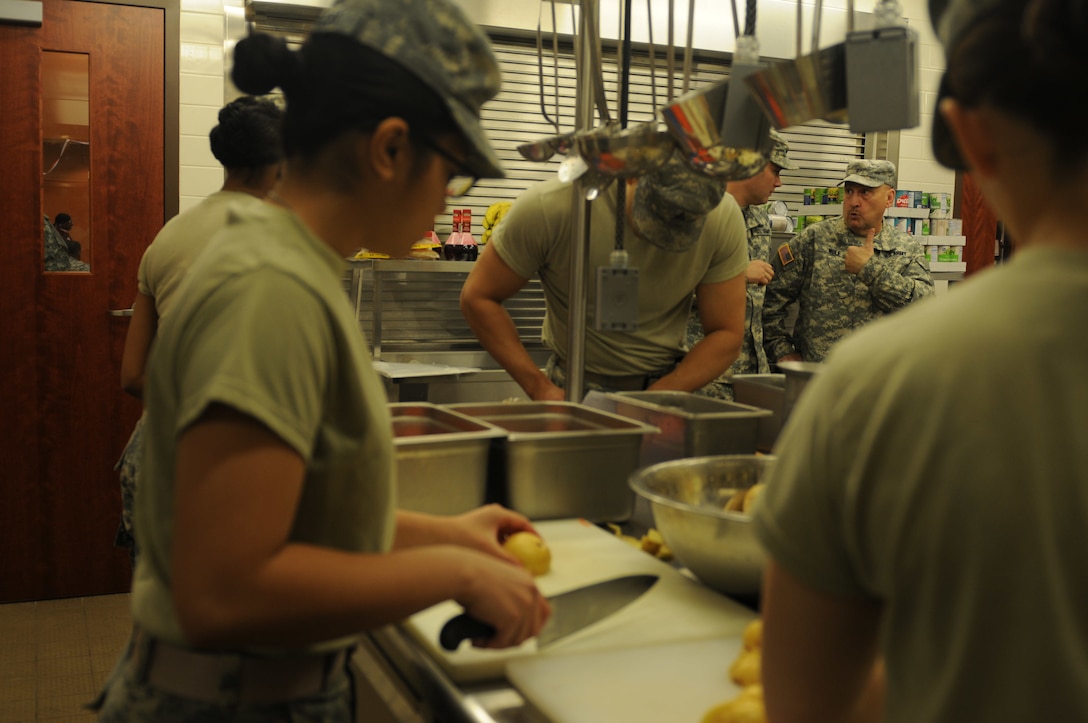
{"points": [[442, 458], [691, 425], [766, 391], [561, 459]]}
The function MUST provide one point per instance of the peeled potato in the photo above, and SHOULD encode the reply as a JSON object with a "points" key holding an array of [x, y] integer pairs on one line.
{"points": [[753, 634], [750, 497], [531, 551], [747, 707], [736, 501], [745, 669]]}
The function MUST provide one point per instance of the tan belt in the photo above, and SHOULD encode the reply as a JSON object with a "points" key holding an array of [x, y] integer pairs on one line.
{"points": [[235, 677]]}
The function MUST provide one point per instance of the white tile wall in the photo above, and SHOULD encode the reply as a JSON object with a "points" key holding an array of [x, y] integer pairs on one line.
{"points": [[202, 94]]}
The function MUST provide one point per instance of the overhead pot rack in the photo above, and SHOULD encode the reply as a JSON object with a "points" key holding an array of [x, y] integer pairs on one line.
{"points": [[695, 123], [868, 81]]}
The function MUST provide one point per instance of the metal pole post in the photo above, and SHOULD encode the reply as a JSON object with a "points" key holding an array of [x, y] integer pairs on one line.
{"points": [[579, 248]]}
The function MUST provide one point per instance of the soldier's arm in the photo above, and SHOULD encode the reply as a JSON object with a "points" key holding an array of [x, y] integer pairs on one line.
{"points": [[896, 281], [788, 261]]}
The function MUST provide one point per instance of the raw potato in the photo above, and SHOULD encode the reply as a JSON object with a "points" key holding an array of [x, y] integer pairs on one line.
{"points": [[747, 707], [531, 551], [745, 669], [753, 634], [751, 496], [736, 501]]}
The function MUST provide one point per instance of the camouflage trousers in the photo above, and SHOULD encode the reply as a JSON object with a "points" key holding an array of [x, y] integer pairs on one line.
{"points": [[129, 698], [128, 469]]}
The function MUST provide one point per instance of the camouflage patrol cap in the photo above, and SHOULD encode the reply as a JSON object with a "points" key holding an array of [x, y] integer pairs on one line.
{"points": [[779, 148], [435, 41], [672, 202], [871, 173]]}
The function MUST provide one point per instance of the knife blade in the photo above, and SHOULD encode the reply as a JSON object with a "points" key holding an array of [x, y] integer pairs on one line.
{"points": [[571, 611]]}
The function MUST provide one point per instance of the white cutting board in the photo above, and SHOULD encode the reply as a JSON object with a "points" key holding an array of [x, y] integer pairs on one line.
{"points": [[675, 682], [676, 608]]}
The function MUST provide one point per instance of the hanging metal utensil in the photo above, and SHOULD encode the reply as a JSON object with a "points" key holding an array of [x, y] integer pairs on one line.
{"points": [[555, 64], [807, 88], [688, 48], [650, 50], [545, 148], [744, 125], [695, 122]]}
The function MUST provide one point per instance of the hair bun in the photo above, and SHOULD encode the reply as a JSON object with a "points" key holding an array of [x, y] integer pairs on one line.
{"points": [[262, 62]]}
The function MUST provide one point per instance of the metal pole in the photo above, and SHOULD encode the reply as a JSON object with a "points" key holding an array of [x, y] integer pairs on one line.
{"points": [[580, 218]]}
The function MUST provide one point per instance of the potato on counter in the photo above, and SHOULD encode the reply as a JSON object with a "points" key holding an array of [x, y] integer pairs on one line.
{"points": [[747, 707]]}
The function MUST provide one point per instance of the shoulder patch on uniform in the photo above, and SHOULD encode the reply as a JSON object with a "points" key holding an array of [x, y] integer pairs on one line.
{"points": [[785, 254]]}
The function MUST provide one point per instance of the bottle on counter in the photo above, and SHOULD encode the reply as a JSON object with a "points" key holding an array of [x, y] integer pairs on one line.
{"points": [[461, 246], [455, 234]]}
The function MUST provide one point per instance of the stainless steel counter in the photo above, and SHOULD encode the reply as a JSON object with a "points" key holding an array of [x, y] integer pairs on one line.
{"points": [[413, 687]]}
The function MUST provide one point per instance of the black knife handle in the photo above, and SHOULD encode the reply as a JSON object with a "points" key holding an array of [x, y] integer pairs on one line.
{"points": [[463, 627]]}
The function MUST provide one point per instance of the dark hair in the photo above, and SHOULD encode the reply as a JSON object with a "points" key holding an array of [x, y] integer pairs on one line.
{"points": [[248, 136], [1027, 58], [62, 220], [335, 84]]}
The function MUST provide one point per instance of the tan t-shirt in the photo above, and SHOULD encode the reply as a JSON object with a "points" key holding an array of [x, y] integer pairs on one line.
{"points": [[535, 238], [937, 463], [181, 241], [262, 324]]}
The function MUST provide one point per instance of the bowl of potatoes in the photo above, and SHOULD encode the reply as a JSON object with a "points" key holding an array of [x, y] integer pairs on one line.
{"points": [[702, 506]]}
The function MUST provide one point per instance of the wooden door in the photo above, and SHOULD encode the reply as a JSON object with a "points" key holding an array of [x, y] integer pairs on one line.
{"points": [[65, 419]]}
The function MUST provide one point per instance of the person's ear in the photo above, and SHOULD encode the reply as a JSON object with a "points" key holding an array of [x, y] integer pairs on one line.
{"points": [[889, 197], [973, 135], [389, 148]]}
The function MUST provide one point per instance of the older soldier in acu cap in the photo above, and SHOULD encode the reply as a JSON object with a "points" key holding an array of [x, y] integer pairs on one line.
{"points": [[752, 195], [843, 272]]}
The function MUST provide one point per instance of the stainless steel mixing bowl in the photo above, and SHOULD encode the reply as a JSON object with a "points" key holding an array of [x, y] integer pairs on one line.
{"points": [[688, 498]]}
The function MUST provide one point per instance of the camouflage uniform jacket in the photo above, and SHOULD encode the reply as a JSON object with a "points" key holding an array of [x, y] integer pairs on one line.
{"points": [[832, 302], [752, 358]]}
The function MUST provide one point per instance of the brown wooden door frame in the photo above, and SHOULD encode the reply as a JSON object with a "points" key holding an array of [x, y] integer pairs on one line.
{"points": [[42, 510]]}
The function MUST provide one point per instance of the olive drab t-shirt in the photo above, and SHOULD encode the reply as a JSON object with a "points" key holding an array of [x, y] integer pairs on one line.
{"points": [[262, 324], [534, 239], [937, 463], [181, 241]]}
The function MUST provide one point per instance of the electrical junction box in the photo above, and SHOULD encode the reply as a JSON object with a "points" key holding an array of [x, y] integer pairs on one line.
{"points": [[617, 299], [882, 79]]}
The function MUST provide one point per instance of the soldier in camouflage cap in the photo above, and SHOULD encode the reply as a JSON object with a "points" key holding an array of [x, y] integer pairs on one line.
{"points": [[779, 155], [267, 508], [752, 194], [685, 236], [672, 203], [434, 40], [843, 272], [871, 173]]}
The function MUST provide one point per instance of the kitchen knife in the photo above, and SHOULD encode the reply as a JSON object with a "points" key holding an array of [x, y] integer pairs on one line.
{"points": [[571, 611]]}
